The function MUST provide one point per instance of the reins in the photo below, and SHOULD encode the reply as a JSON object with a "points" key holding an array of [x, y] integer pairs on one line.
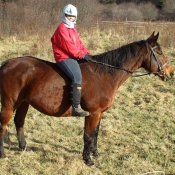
{"points": [[143, 73], [119, 68], [97, 62]]}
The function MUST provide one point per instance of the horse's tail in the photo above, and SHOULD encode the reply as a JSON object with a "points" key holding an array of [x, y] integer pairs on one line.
{"points": [[1, 66]]}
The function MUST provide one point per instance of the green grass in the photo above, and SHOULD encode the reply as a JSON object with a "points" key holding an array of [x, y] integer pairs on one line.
{"points": [[137, 134]]}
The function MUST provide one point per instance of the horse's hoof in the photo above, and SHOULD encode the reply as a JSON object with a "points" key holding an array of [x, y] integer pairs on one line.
{"points": [[95, 154], [23, 147], [89, 162]]}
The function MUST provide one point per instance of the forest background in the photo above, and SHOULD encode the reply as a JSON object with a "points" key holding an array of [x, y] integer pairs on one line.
{"points": [[18, 16]]}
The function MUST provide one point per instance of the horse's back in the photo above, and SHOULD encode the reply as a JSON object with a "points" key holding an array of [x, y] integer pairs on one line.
{"points": [[21, 63], [30, 67]]}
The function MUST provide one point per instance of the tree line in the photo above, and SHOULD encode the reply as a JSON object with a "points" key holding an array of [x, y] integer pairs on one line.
{"points": [[37, 15], [158, 3]]}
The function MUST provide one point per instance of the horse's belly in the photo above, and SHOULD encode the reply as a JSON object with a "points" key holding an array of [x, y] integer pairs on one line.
{"points": [[54, 109], [51, 101]]}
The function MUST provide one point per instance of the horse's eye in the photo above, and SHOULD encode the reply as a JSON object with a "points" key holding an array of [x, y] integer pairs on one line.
{"points": [[159, 52]]}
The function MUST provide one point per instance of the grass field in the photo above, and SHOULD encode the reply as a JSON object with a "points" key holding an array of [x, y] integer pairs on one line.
{"points": [[137, 134]]}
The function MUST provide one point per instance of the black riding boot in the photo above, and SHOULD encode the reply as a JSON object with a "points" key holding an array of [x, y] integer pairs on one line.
{"points": [[76, 95]]}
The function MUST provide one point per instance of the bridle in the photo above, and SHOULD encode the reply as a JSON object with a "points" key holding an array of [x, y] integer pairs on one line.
{"points": [[160, 73]]}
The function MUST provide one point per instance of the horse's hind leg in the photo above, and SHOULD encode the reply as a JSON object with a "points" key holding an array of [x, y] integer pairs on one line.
{"points": [[7, 138], [5, 116], [19, 120]]}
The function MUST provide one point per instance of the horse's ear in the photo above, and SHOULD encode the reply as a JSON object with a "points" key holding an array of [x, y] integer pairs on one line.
{"points": [[152, 35], [153, 39]]}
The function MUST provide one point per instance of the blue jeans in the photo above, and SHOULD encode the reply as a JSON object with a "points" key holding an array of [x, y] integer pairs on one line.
{"points": [[72, 69]]}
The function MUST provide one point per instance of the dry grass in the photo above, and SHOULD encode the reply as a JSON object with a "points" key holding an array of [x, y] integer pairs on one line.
{"points": [[137, 135]]}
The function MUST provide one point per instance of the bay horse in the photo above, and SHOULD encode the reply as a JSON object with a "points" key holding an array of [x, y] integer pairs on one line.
{"points": [[32, 81]]}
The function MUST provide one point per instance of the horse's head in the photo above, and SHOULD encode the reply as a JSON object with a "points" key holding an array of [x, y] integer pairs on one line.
{"points": [[157, 62]]}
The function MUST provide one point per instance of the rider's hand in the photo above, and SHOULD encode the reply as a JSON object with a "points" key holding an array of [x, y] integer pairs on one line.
{"points": [[87, 57]]}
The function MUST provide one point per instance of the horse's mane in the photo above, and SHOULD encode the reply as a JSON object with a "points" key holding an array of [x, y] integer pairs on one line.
{"points": [[118, 57]]}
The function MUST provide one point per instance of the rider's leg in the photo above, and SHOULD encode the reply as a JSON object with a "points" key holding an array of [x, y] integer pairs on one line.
{"points": [[73, 71]]}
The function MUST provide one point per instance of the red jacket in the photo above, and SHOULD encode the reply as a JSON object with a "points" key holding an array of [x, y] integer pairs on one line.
{"points": [[66, 43]]}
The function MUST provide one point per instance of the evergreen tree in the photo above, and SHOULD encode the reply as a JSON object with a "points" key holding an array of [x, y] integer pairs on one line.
{"points": [[161, 3]]}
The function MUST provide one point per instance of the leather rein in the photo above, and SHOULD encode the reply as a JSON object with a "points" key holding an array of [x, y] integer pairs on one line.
{"points": [[160, 72]]}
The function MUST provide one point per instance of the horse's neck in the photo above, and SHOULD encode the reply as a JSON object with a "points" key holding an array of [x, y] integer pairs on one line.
{"points": [[119, 76], [122, 75], [115, 78], [109, 81]]}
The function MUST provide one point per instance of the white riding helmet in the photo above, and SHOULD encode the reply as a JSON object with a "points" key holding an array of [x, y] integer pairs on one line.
{"points": [[69, 10]]}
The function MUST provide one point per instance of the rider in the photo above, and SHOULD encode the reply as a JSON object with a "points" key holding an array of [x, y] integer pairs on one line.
{"points": [[68, 48]]}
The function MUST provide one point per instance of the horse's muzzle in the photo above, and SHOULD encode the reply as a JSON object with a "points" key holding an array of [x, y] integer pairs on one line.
{"points": [[164, 75], [172, 74], [167, 76]]}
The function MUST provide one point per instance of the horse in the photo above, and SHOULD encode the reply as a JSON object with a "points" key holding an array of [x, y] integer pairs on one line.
{"points": [[32, 81]]}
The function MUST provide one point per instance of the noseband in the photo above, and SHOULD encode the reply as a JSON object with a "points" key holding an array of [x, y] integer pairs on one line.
{"points": [[161, 72]]}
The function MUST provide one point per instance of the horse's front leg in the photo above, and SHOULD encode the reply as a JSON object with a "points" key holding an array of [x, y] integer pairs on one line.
{"points": [[95, 150], [92, 123]]}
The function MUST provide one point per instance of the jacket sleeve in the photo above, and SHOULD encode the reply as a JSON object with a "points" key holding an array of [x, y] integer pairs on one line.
{"points": [[68, 45], [83, 47]]}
